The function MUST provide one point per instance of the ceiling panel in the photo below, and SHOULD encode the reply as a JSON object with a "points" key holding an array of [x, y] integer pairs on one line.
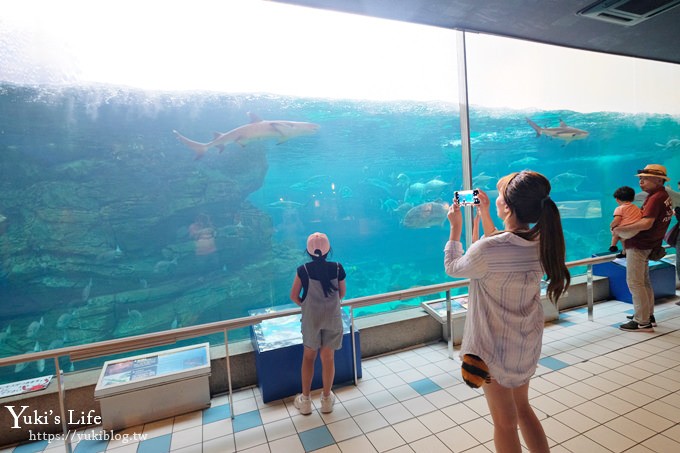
{"points": [[546, 21]]}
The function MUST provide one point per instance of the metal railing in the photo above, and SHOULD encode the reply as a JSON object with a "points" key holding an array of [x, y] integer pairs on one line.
{"points": [[109, 347]]}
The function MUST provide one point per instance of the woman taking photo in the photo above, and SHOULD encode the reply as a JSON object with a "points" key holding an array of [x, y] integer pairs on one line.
{"points": [[504, 324]]}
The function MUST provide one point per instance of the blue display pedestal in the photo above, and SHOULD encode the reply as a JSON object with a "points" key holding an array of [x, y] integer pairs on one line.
{"points": [[661, 274], [278, 355]]}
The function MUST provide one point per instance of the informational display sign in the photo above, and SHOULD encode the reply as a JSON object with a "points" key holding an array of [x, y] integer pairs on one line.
{"points": [[136, 390], [285, 331], [437, 308], [155, 366]]}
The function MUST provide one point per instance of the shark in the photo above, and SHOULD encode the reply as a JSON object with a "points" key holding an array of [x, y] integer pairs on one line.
{"points": [[523, 162], [257, 129], [672, 143], [564, 132]]}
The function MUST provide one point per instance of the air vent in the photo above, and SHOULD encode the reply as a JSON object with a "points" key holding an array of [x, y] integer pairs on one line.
{"points": [[627, 12]]}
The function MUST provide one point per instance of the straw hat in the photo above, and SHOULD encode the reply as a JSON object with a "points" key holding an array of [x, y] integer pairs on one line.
{"points": [[655, 171]]}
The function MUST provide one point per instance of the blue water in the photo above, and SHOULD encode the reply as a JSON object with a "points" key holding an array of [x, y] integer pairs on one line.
{"points": [[99, 197]]}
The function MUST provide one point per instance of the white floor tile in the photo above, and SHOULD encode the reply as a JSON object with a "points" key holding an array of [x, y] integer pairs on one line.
{"points": [[583, 444], [370, 421], [385, 439], [371, 386], [186, 437], [344, 429], [440, 399], [279, 429], [339, 413], [650, 420], [404, 392], [548, 405], [358, 406], [412, 430], [250, 438], [613, 440], [306, 422], [402, 449], [274, 413], [460, 413], [224, 444], [429, 444], [627, 427], [436, 421], [411, 375], [479, 405], [347, 393], [186, 421], [395, 413], [567, 397], [357, 444], [419, 406], [398, 366], [290, 444], [217, 429], [462, 392], [648, 387], [615, 404], [381, 399], [596, 412], [457, 439], [262, 448], [480, 429], [558, 431]]}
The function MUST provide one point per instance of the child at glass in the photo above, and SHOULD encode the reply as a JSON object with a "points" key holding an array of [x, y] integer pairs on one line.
{"points": [[503, 331], [322, 284]]}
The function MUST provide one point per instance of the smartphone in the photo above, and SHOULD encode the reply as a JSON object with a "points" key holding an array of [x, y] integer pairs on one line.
{"points": [[466, 197]]}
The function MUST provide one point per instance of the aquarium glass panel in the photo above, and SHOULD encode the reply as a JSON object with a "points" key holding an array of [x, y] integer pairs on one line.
{"points": [[587, 121], [170, 177]]}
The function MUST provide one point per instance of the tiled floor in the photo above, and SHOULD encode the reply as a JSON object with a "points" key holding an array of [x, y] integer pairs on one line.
{"points": [[597, 389]]}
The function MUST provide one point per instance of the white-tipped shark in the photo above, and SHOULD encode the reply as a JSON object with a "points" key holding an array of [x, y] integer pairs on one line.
{"points": [[564, 132], [257, 129]]}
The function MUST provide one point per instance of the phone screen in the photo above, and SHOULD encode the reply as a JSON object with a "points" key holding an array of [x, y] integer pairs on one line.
{"points": [[466, 197]]}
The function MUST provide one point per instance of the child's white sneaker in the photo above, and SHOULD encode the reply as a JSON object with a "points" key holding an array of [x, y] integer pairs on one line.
{"points": [[327, 403], [303, 404]]}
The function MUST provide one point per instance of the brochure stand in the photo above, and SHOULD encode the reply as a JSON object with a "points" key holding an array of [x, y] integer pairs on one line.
{"points": [[278, 355], [149, 387]]}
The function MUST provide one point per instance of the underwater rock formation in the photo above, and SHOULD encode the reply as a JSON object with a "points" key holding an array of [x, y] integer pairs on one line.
{"points": [[95, 236]]}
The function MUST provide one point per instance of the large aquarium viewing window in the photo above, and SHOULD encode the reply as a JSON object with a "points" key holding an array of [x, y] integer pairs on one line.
{"points": [[163, 171], [121, 216], [587, 121]]}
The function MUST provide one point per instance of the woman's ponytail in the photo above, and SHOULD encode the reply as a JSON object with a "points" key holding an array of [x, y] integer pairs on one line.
{"points": [[527, 193], [553, 250]]}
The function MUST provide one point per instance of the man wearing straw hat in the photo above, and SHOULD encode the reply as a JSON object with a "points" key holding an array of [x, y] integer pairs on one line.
{"points": [[657, 212]]}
